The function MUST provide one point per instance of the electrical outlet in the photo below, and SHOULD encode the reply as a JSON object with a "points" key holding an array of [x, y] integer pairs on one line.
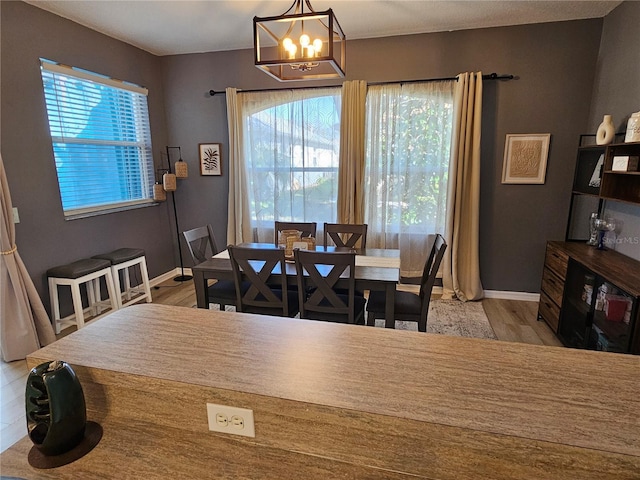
{"points": [[232, 420]]}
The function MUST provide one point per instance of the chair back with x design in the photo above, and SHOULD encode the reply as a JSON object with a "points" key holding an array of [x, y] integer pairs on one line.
{"points": [[345, 235], [265, 270], [201, 243], [318, 273]]}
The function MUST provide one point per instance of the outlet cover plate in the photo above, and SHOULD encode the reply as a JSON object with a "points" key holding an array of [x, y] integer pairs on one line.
{"points": [[231, 420]]}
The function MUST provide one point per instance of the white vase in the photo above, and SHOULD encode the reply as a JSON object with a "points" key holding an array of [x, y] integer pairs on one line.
{"points": [[606, 131], [633, 128]]}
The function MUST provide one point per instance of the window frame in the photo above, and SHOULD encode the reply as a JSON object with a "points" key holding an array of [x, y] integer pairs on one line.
{"points": [[137, 184]]}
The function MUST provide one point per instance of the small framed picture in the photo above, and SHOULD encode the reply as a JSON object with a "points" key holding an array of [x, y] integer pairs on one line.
{"points": [[210, 159], [525, 158]]}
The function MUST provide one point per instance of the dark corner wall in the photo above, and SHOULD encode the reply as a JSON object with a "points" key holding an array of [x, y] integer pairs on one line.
{"points": [[43, 237], [617, 92], [556, 64]]}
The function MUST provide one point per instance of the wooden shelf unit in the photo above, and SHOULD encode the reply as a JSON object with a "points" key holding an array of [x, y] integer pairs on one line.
{"points": [[614, 185], [556, 297]]}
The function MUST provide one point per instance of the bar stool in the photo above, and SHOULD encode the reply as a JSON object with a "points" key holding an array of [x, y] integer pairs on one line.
{"points": [[89, 271], [121, 260]]}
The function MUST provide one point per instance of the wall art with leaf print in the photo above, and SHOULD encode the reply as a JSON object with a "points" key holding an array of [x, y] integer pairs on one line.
{"points": [[210, 159]]}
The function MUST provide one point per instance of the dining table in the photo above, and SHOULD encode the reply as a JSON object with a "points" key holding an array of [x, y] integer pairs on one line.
{"points": [[377, 269]]}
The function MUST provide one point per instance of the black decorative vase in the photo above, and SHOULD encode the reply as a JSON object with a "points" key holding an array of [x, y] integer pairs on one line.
{"points": [[56, 411]]}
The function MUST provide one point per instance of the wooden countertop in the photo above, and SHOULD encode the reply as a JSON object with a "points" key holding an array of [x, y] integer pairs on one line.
{"points": [[509, 399]]}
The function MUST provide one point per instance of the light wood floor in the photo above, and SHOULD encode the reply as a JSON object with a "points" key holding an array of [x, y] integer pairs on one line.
{"points": [[512, 321]]}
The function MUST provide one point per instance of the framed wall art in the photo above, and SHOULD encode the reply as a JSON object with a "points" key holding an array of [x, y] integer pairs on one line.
{"points": [[210, 158], [525, 158]]}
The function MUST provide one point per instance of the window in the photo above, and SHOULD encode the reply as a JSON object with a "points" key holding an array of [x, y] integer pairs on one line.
{"points": [[408, 141], [292, 143], [101, 140]]}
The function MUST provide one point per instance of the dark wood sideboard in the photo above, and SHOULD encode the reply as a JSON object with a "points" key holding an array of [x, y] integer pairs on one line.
{"points": [[576, 281]]}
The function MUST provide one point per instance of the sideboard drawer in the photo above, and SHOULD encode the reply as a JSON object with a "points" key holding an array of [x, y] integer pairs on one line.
{"points": [[557, 261], [548, 310], [553, 286]]}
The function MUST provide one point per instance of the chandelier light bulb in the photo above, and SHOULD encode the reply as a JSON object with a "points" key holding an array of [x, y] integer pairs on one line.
{"points": [[292, 50], [317, 45], [286, 43], [304, 40]]}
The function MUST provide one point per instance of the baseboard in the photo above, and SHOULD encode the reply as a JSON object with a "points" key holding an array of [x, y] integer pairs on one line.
{"points": [[506, 295], [168, 276]]}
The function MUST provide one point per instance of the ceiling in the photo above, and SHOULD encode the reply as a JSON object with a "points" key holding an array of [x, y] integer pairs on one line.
{"points": [[187, 26]]}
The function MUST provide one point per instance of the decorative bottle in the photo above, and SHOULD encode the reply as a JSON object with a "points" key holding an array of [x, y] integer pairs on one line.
{"points": [[606, 131], [593, 230], [633, 128]]}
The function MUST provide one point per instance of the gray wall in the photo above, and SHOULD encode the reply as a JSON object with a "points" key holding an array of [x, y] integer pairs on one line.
{"points": [[43, 237], [555, 64], [617, 92]]}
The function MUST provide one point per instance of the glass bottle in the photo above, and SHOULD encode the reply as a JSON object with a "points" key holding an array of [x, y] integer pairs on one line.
{"points": [[593, 230]]}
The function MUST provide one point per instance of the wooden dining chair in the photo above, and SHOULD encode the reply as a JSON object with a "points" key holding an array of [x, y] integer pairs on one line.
{"points": [[265, 271], [407, 305], [345, 234], [308, 229], [317, 274], [201, 242], [202, 246]]}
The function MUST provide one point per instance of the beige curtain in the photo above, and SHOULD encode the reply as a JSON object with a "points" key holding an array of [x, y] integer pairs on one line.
{"points": [[275, 136], [409, 129], [461, 264], [352, 159], [239, 220], [24, 323]]}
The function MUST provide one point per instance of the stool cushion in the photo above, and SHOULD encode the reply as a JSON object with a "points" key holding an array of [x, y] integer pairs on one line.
{"points": [[79, 268], [121, 255]]}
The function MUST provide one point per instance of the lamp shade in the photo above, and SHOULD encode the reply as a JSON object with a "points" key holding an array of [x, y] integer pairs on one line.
{"points": [[182, 170], [159, 194], [169, 182], [299, 45]]}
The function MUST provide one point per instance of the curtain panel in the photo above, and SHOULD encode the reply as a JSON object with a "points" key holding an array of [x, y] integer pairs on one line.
{"points": [[461, 263], [24, 323], [285, 151], [408, 137], [352, 158]]}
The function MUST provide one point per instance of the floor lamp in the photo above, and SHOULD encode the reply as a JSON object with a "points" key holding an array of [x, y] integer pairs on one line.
{"points": [[169, 184]]}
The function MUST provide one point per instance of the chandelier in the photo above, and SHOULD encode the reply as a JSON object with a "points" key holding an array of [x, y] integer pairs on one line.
{"points": [[299, 44]]}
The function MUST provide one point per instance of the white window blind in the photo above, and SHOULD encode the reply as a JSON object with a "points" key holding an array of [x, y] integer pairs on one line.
{"points": [[101, 140]]}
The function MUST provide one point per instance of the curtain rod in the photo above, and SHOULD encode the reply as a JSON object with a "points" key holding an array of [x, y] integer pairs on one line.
{"points": [[489, 76]]}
